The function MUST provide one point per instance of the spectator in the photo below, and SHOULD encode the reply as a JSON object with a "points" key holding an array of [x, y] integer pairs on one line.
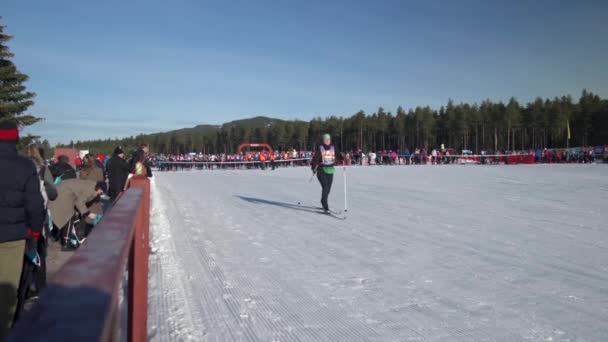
{"points": [[90, 170], [140, 165], [21, 211], [141, 156], [37, 255], [118, 171], [100, 162], [78, 163], [48, 190], [76, 194], [407, 156], [262, 159], [62, 169]]}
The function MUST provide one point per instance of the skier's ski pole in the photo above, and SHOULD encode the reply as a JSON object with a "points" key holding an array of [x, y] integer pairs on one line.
{"points": [[344, 177], [314, 172]]}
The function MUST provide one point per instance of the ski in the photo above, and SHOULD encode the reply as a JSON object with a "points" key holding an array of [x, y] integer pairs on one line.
{"points": [[309, 207], [339, 212], [320, 210], [335, 214]]}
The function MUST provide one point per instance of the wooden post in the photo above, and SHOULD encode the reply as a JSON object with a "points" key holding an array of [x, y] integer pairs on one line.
{"points": [[138, 266]]}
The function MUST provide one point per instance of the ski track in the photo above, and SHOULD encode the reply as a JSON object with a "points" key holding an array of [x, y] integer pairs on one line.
{"points": [[427, 253]]}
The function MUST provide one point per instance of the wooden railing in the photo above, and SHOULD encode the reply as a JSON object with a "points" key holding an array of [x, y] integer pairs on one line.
{"points": [[81, 302]]}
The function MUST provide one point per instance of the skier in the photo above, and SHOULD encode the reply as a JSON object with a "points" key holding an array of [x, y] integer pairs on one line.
{"points": [[323, 166]]}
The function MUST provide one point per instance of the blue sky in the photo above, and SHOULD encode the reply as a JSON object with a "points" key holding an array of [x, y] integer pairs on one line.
{"points": [[117, 68]]}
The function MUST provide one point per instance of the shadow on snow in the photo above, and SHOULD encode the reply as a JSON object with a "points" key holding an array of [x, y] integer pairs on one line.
{"points": [[279, 204]]}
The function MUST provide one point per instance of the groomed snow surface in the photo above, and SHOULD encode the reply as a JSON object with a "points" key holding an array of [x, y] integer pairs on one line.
{"points": [[427, 253]]}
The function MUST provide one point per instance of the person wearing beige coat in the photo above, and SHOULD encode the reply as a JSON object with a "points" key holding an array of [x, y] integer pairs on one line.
{"points": [[74, 193]]}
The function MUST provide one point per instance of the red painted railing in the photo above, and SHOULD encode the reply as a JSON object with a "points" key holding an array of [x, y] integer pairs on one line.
{"points": [[81, 301]]}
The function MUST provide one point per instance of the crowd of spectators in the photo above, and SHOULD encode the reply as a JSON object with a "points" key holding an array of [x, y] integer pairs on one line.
{"points": [[418, 156], [450, 156], [259, 159], [44, 202]]}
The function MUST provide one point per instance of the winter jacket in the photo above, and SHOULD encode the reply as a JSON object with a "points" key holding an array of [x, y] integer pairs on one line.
{"points": [[72, 193], [21, 203], [118, 171]]}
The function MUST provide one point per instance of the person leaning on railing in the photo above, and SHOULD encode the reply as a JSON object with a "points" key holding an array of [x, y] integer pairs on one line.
{"points": [[140, 165], [82, 194], [21, 210], [141, 158]]}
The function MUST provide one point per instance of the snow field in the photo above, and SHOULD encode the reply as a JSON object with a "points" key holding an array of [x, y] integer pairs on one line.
{"points": [[427, 253]]}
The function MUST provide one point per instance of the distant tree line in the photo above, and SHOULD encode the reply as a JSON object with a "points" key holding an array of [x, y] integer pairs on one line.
{"points": [[493, 126]]}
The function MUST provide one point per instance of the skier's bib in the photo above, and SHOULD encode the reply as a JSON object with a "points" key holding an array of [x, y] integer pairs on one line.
{"points": [[328, 157]]}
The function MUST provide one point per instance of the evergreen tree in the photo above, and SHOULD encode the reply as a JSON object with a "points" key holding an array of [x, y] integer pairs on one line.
{"points": [[589, 106], [513, 116], [14, 97]]}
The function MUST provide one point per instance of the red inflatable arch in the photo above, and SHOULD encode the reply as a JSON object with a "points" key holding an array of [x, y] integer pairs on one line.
{"points": [[266, 146]]}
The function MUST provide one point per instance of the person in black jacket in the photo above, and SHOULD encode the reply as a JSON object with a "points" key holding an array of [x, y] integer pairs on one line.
{"points": [[118, 171], [22, 214], [322, 165], [62, 169]]}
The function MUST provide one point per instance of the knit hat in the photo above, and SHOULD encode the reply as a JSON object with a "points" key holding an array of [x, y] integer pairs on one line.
{"points": [[9, 132], [326, 136], [118, 150]]}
